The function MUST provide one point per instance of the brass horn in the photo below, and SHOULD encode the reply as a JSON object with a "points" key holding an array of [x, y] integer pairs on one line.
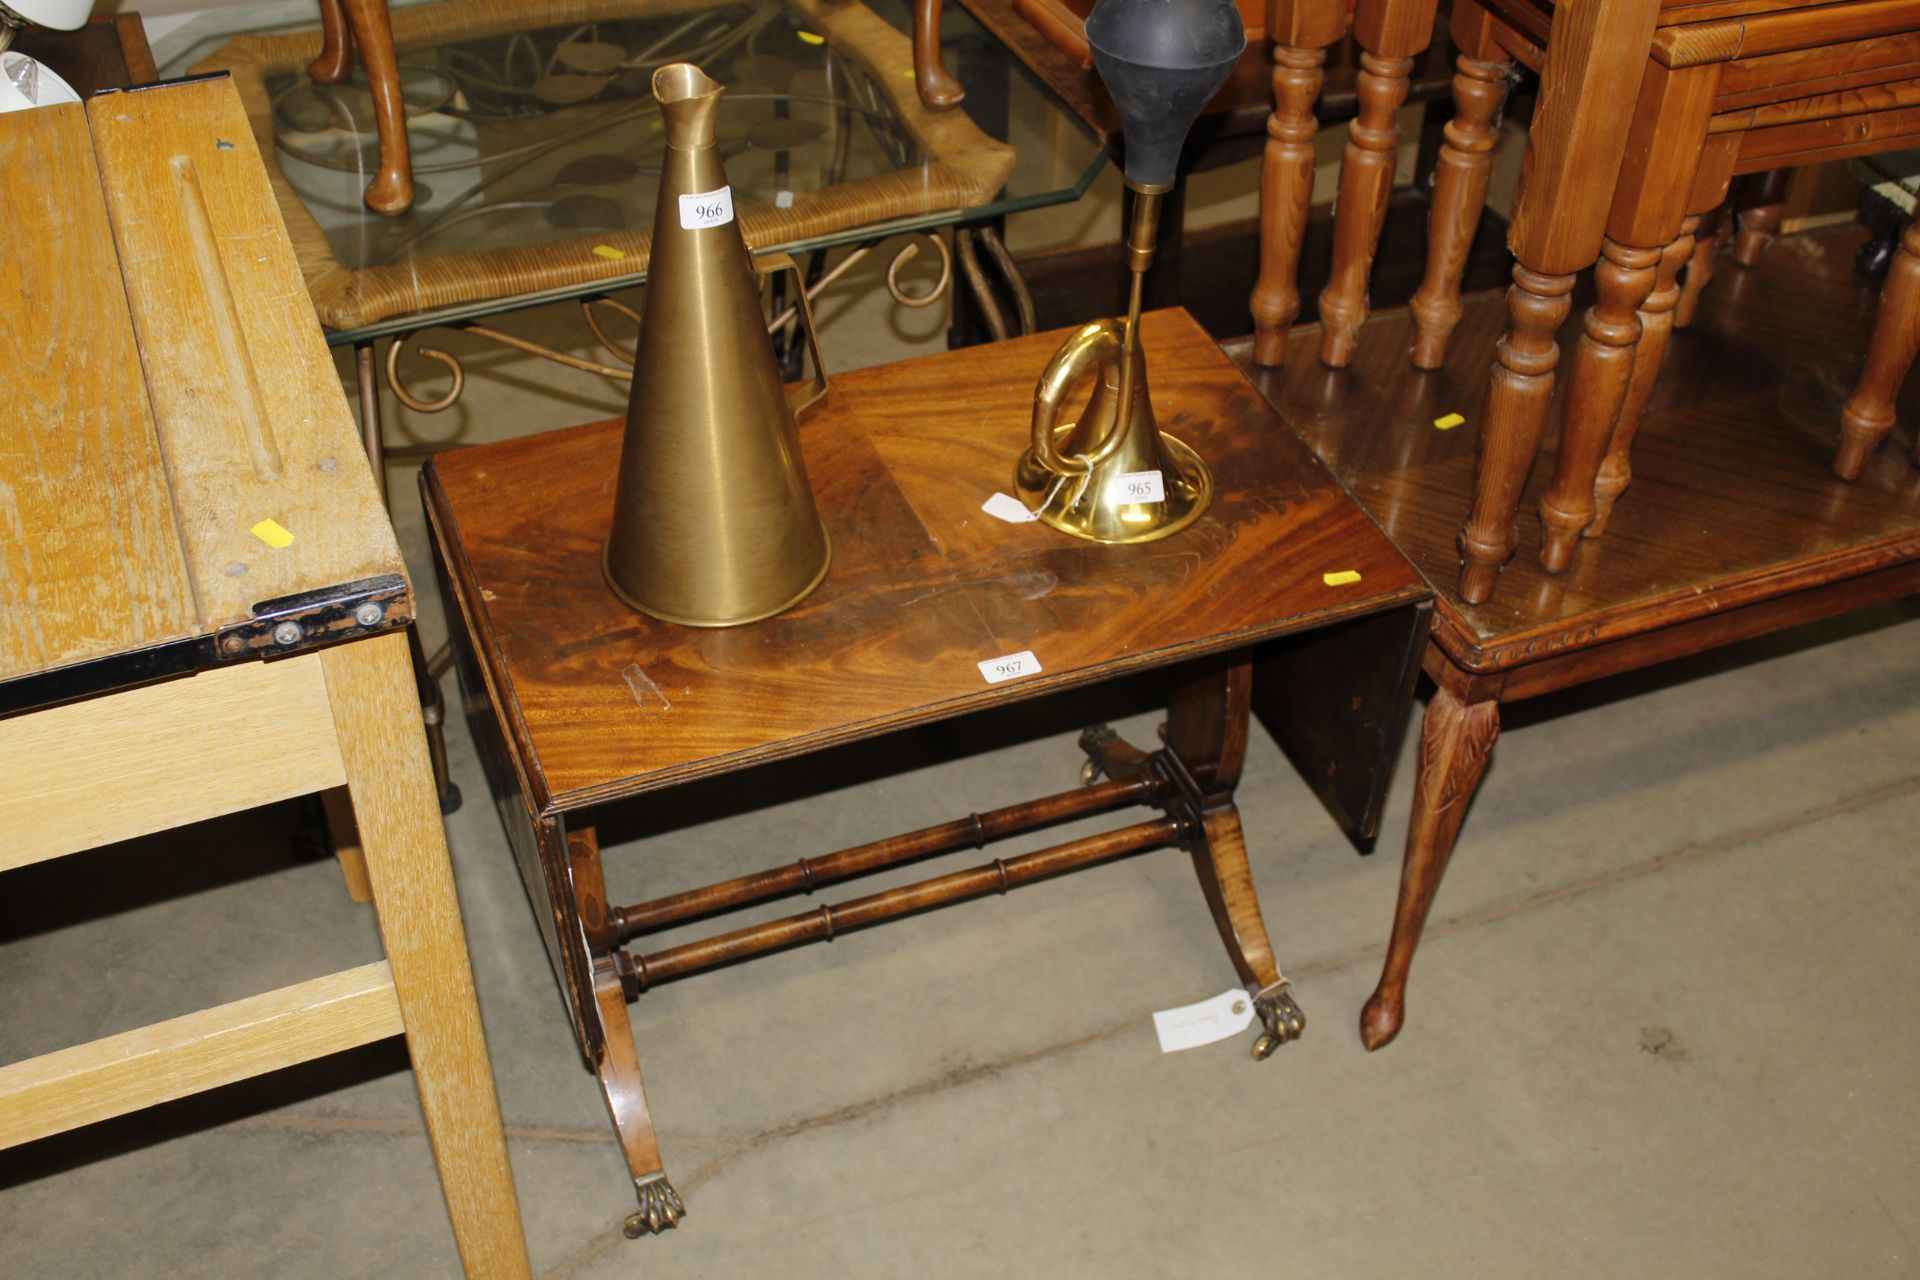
{"points": [[714, 522], [1112, 475]]}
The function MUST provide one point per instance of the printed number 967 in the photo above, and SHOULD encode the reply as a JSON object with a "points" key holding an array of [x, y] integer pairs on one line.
{"points": [[1011, 667]]}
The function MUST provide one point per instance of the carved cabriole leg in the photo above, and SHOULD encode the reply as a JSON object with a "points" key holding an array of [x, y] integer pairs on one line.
{"points": [[938, 89], [1459, 196], [1207, 718], [1456, 739], [335, 62], [1366, 185], [619, 1067], [1716, 228], [1869, 415], [1656, 326], [1286, 192], [1521, 386], [1602, 365], [391, 191]]}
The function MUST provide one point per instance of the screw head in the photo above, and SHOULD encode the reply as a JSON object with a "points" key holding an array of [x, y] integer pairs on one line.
{"points": [[287, 633], [369, 614]]}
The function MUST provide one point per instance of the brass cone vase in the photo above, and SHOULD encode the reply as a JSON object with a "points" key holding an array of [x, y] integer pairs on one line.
{"points": [[714, 523]]}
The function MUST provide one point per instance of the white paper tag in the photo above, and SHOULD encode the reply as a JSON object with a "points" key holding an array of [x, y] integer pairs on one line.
{"points": [[707, 209], [1012, 510], [1011, 667], [1192, 1025], [1137, 486]]}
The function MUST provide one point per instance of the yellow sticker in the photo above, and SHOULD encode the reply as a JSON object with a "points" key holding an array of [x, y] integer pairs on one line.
{"points": [[808, 37], [907, 74], [270, 532], [1449, 422], [1344, 578], [608, 252]]}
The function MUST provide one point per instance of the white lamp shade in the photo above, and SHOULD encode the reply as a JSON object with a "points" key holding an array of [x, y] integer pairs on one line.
{"points": [[63, 14]]}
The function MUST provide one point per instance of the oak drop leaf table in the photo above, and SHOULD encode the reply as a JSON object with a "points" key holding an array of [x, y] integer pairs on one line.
{"points": [[203, 610], [576, 700]]}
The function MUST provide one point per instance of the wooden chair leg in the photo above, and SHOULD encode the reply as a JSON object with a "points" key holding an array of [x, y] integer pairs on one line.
{"points": [[1286, 193], [1716, 228], [938, 89], [1366, 186], [1520, 387], [1869, 412], [335, 62], [1456, 740], [1602, 365], [376, 719], [1656, 326], [391, 191], [1459, 197]]}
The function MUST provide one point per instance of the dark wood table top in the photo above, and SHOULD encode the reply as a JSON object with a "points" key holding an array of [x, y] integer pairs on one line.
{"points": [[1732, 499], [600, 702], [107, 53], [1238, 111]]}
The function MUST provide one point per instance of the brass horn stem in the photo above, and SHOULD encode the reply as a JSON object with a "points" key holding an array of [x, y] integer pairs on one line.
{"points": [[1143, 230]]}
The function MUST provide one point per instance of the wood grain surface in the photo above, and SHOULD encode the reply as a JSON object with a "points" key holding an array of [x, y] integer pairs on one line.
{"points": [[195, 1052], [90, 562], [1731, 503], [92, 772], [376, 720], [602, 702], [245, 395]]}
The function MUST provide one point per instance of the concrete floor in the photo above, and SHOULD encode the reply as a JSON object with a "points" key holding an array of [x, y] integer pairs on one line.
{"points": [[1664, 1022]]}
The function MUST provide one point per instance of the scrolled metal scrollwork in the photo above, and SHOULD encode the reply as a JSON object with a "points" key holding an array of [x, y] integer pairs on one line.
{"points": [[412, 401], [613, 348]]}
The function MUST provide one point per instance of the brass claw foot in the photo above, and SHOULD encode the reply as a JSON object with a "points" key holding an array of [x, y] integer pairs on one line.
{"points": [[1280, 1016], [660, 1207]]}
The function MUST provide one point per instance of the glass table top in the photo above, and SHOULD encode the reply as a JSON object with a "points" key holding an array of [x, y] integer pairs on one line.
{"points": [[543, 144]]}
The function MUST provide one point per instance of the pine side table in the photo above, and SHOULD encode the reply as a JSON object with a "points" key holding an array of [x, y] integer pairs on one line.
{"points": [[931, 609]]}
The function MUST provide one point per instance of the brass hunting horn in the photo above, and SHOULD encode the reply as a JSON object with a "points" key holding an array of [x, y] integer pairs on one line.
{"points": [[713, 520], [1113, 475]]}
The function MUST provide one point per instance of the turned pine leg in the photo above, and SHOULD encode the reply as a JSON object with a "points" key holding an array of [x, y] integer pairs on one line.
{"points": [[1206, 731], [1602, 364], [1868, 415], [391, 191], [1456, 739], [1762, 217], [619, 1065], [938, 89], [1366, 185], [335, 62], [1656, 326], [1286, 192], [1716, 228], [1459, 196], [1520, 387]]}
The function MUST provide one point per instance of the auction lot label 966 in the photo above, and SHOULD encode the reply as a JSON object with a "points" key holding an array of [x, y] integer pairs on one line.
{"points": [[706, 209]]}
